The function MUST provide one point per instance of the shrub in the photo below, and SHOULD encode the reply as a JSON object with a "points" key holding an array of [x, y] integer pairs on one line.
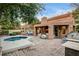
{"points": [[14, 33], [4, 32]]}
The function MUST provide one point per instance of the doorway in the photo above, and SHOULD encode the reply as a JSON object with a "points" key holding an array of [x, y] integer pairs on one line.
{"points": [[60, 30], [56, 31]]}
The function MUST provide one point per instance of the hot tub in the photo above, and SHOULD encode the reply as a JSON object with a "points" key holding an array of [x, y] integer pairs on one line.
{"points": [[12, 43]]}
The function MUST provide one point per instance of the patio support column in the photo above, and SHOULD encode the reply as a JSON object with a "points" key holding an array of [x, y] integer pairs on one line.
{"points": [[70, 28], [34, 31], [50, 32]]}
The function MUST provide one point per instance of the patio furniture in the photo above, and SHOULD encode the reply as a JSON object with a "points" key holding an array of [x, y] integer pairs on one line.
{"points": [[43, 36], [73, 36], [30, 33]]}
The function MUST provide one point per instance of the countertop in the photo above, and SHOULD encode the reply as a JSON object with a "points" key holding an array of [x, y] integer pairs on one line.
{"points": [[71, 45]]}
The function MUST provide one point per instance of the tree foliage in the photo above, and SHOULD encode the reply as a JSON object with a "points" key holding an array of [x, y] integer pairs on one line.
{"points": [[12, 14], [76, 10], [76, 14]]}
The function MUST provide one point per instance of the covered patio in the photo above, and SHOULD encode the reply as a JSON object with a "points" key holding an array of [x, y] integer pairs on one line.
{"points": [[57, 26]]}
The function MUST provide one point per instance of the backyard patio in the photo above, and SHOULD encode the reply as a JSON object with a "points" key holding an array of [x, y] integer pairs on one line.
{"points": [[42, 47]]}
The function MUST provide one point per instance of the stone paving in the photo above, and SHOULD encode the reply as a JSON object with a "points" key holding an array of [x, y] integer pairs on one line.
{"points": [[42, 47]]}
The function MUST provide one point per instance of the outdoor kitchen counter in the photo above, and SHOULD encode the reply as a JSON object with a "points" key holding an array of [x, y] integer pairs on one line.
{"points": [[72, 45], [73, 40], [71, 48]]}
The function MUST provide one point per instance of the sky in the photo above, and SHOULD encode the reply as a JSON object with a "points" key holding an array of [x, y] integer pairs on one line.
{"points": [[54, 9]]}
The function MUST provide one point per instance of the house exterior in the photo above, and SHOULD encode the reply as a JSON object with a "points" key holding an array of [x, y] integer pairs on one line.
{"points": [[57, 26], [26, 28]]}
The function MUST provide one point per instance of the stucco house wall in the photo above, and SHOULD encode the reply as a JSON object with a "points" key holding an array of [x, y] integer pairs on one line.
{"points": [[65, 19]]}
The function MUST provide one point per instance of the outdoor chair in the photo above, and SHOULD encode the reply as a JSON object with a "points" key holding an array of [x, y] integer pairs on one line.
{"points": [[43, 36]]}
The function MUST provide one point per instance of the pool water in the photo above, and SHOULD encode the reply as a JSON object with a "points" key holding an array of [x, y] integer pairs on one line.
{"points": [[14, 38]]}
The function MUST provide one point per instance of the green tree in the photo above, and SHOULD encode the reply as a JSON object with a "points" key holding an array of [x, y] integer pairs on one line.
{"points": [[76, 14], [35, 21], [12, 14]]}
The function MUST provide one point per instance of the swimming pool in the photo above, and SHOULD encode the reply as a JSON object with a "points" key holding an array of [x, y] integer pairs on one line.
{"points": [[14, 38]]}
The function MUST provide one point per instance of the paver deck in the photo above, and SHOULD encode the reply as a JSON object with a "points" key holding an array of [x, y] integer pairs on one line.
{"points": [[43, 47]]}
